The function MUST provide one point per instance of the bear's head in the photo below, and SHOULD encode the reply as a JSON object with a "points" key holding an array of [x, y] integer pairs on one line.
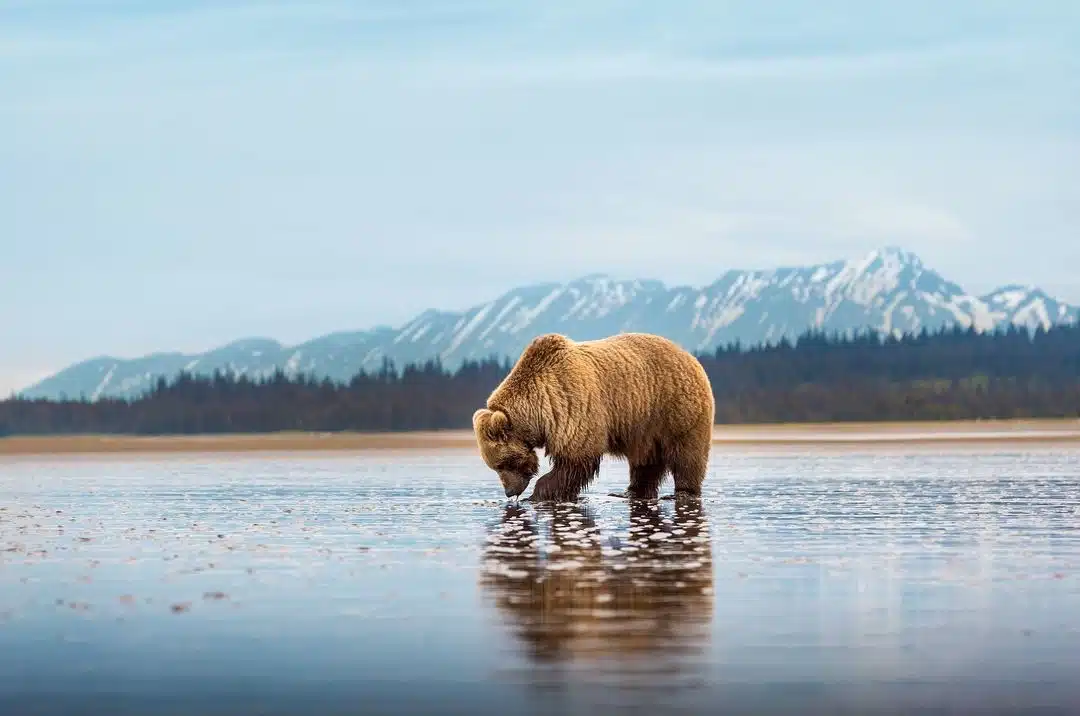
{"points": [[504, 451]]}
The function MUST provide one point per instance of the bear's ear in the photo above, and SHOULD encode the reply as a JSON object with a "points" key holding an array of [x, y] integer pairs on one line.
{"points": [[492, 424], [499, 425], [479, 420]]}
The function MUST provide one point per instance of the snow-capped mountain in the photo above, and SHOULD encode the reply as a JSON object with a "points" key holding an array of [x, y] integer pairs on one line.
{"points": [[889, 290]]}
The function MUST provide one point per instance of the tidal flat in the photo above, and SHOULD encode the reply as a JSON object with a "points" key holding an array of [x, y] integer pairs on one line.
{"points": [[1061, 432], [869, 580]]}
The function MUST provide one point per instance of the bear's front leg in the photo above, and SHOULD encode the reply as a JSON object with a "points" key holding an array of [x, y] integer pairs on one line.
{"points": [[546, 489], [565, 481]]}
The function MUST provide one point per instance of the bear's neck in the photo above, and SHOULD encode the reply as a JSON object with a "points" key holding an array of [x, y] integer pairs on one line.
{"points": [[526, 426], [534, 437]]}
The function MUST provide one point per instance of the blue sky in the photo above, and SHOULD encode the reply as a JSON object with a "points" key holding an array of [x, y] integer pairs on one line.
{"points": [[174, 175]]}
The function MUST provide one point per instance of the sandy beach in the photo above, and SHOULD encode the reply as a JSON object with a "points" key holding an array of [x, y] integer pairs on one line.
{"points": [[976, 434]]}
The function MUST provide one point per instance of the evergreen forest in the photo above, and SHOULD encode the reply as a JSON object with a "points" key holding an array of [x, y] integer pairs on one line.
{"points": [[952, 374]]}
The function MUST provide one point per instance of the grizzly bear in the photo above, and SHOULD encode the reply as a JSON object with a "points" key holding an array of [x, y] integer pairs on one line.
{"points": [[632, 395]]}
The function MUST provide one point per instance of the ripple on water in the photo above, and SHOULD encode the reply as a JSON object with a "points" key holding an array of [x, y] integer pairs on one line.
{"points": [[823, 569]]}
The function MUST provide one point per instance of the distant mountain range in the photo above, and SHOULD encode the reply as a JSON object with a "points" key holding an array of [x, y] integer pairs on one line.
{"points": [[889, 290]]}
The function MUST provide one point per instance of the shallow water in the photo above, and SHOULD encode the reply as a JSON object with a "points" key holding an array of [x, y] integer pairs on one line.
{"points": [[800, 584]]}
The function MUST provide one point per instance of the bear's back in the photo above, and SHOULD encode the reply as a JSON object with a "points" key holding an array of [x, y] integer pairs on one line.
{"points": [[626, 391], [650, 384]]}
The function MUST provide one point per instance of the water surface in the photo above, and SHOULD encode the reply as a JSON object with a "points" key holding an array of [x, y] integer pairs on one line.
{"points": [[383, 583]]}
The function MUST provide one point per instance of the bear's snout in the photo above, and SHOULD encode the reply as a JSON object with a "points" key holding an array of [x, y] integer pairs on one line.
{"points": [[513, 485]]}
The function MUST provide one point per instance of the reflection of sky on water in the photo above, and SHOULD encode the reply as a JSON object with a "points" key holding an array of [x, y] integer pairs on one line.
{"points": [[401, 582]]}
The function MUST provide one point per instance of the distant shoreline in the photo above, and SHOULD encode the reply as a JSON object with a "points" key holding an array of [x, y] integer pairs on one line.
{"points": [[981, 434]]}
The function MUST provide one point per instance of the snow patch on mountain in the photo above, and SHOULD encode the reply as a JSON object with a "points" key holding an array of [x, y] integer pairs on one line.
{"points": [[889, 290]]}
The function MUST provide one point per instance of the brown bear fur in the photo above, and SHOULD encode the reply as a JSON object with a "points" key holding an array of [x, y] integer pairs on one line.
{"points": [[631, 395]]}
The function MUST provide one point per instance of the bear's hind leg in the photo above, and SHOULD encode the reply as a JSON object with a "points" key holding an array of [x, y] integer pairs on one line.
{"points": [[644, 482], [689, 459]]}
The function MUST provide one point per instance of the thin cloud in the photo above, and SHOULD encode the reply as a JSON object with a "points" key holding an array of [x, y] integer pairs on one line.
{"points": [[31, 47], [632, 67], [293, 168]]}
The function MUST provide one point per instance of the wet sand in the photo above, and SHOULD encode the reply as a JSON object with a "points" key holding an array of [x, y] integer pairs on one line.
{"points": [[959, 434], [802, 583]]}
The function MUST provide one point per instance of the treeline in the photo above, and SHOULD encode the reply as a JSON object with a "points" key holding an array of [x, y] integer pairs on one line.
{"points": [[951, 374]]}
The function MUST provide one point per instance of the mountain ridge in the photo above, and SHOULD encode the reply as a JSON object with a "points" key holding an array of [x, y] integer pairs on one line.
{"points": [[888, 289]]}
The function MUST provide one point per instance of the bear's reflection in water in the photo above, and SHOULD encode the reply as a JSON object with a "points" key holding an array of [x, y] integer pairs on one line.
{"points": [[637, 606]]}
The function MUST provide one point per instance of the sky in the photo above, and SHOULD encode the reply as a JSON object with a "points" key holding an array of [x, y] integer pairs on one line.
{"points": [[178, 174]]}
